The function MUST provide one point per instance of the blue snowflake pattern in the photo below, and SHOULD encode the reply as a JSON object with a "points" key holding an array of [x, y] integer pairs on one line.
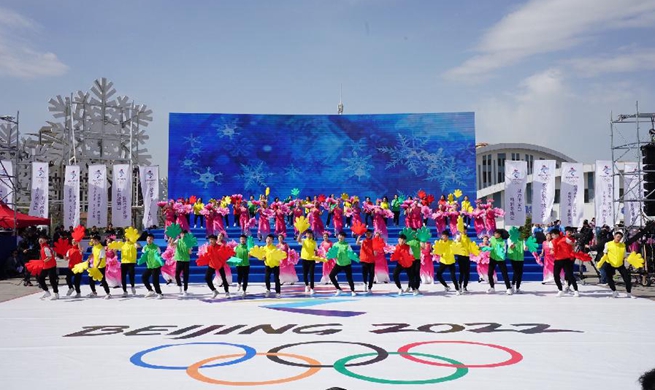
{"points": [[208, 177], [227, 130], [195, 151], [236, 148], [293, 173], [254, 176], [189, 164], [408, 152], [358, 166], [192, 141], [360, 145]]}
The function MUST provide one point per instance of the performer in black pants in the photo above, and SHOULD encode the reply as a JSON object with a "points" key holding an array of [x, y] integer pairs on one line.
{"points": [[272, 268], [367, 259], [403, 255], [343, 263], [308, 256], [464, 264], [127, 269]]}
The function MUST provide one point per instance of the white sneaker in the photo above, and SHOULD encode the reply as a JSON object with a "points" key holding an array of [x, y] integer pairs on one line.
{"points": [[446, 289], [629, 295], [70, 292], [45, 295], [560, 294], [160, 296], [509, 291], [227, 295], [415, 292], [491, 290], [615, 294], [214, 294], [353, 294], [133, 290], [150, 294], [400, 291], [185, 294], [518, 291], [337, 293], [311, 292], [306, 289], [457, 292], [365, 288], [576, 294], [55, 296], [125, 294], [181, 290], [108, 296], [78, 295], [278, 295], [408, 290], [267, 293], [92, 295], [243, 294], [238, 288]]}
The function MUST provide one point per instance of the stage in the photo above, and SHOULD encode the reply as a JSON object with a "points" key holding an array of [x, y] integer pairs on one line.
{"points": [[436, 340]]}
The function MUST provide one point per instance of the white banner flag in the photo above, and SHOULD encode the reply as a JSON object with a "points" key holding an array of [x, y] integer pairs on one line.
{"points": [[603, 193], [72, 196], [121, 196], [571, 204], [6, 189], [543, 191], [516, 173], [97, 196], [632, 192], [40, 181], [149, 178]]}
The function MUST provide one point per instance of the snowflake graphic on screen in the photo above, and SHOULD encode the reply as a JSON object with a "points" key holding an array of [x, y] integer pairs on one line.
{"points": [[208, 177], [293, 173], [195, 151], [189, 164], [254, 175], [236, 148], [449, 174], [359, 146], [192, 140], [409, 152], [358, 166], [227, 130]]}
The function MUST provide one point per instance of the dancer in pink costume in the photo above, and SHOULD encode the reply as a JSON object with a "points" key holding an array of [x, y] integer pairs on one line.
{"points": [[168, 212], [182, 210], [168, 269], [219, 220], [280, 213], [337, 217], [245, 222], [417, 215], [491, 213], [453, 214], [427, 263], [329, 264], [354, 212], [379, 215], [482, 260], [406, 211], [264, 227], [547, 260], [210, 213], [298, 211], [287, 266], [381, 266], [315, 222], [439, 217], [112, 266], [478, 216]]}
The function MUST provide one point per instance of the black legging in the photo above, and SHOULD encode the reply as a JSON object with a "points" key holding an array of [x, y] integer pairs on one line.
{"points": [[517, 273], [155, 272], [453, 275], [267, 278], [368, 274], [308, 267], [567, 266], [209, 278], [180, 267], [127, 269], [73, 280], [609, 269], [464, 263], [198, 217], [243, 273], [51, 273], [415, 277], [396, 275], [503, 268], [348, 269], [396, 217], [103, 282]]}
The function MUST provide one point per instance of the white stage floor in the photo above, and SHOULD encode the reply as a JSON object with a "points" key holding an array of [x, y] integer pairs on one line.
{"points": [[476, 341]]}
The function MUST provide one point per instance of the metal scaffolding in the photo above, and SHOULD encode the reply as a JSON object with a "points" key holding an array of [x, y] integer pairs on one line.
{"points": [[10, 148]]}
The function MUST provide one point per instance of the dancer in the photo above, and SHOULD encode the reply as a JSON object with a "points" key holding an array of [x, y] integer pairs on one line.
{"points": [[548, 256], [482, 260], [49, 270], [316, 224], [403, 256], [337, 217], [328, 265], [415, 274], [128, 260], [462, 251], [73, 280], [264, 226], [244, 218], [113, 267], [99, 263], [272, 268], [243, 267], [215, 258], [288, 265], [614, 261], [343, 254], [563, 248], [427, 264], [151, 257], [516, 253], [367, 259], [497, 255], [198, 206], [444, 249], [169, 212], [182, 259], [307, 255], [279, 214], [381, 266], [395, 208], [226, 267]]}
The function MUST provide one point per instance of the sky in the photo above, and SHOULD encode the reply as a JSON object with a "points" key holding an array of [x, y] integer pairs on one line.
{"points": [[547, 72]]}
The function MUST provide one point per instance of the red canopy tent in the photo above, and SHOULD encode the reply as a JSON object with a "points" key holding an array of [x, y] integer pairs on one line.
{"points": [[22, 220]]}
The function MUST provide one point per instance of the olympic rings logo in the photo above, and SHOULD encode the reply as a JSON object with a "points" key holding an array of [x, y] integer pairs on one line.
{"points": [[313, 366]]}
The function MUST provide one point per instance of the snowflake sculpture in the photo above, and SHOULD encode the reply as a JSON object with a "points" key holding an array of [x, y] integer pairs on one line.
{"points": [[207, 177], [192, 141], [254, 176], [358, 166]]}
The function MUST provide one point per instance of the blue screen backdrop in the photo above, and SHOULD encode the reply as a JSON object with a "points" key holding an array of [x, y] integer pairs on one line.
{"points": [[212, 155]]}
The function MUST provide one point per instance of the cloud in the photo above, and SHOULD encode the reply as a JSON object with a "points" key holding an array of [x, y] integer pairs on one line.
{"points": [[18, 56], [624, 61], [547, 26]]}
